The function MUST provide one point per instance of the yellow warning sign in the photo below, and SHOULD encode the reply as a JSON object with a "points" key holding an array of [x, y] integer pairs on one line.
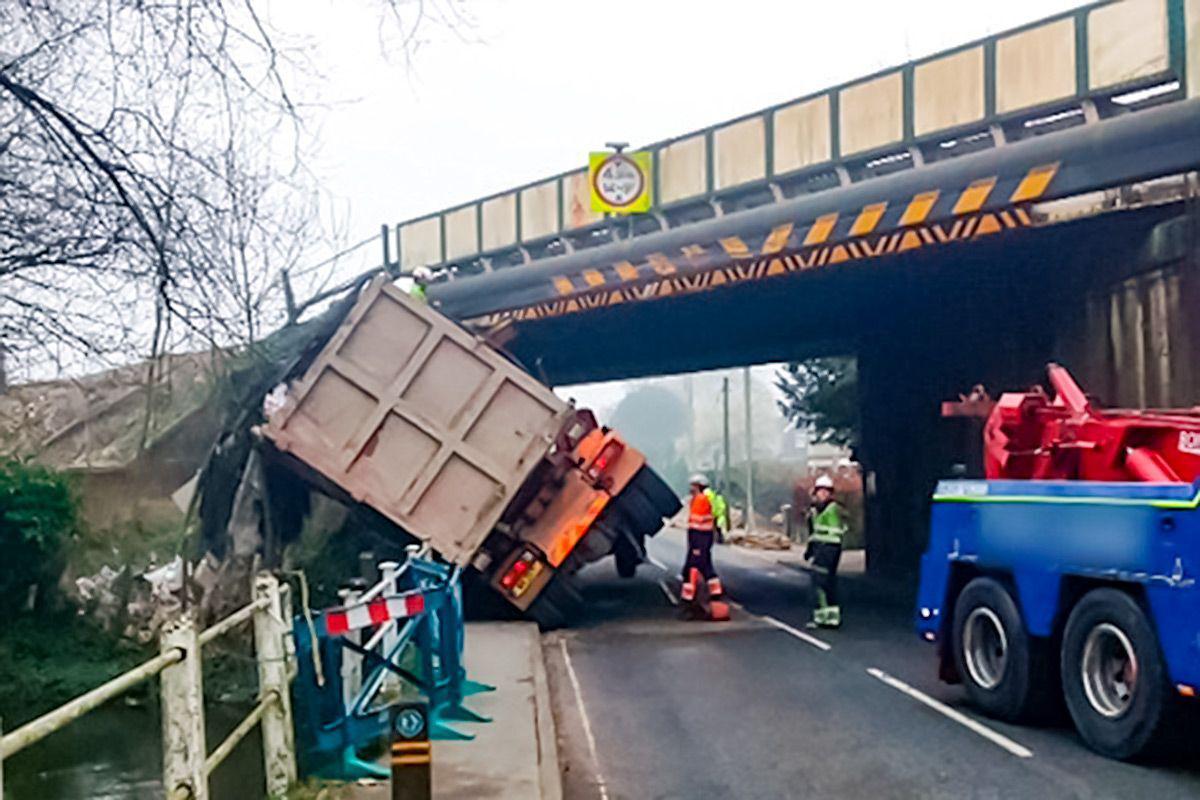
{"points": [[619, 182]]}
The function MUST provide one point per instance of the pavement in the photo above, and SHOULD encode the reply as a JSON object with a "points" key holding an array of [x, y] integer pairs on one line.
{"points": [[650, 706], [513, 756]]}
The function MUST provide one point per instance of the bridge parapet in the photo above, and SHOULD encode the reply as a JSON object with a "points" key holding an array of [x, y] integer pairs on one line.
{"points": [[1098, 61]]}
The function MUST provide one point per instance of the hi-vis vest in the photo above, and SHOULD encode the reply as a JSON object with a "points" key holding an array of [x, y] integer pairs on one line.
{"points": [[700, 515], [827, 524], [719, 509]]}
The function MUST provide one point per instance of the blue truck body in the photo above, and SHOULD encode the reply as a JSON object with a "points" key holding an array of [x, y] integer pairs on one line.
{"points": [[1051, 540]]}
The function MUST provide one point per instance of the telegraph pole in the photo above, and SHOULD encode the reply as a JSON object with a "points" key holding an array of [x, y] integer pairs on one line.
{"points": [[725, 484], [690, 389], [749, 454]]}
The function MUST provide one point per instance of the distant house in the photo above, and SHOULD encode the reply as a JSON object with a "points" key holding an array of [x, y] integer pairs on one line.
{"points": [[130, 448]]}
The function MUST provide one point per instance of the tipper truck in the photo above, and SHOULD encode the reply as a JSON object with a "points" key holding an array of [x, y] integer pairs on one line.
{"points": [[406, 412], [1068, 574]]}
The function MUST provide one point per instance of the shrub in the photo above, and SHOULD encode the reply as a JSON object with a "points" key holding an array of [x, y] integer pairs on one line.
{"points": [[38, 513]]}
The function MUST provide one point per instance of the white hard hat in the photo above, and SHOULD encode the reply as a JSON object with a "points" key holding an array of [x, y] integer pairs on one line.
{"points": [[698, 478], [824, 482], [422, 273]]}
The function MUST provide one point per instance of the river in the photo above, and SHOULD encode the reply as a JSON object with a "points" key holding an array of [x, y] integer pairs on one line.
{"points": [[115, 753]]}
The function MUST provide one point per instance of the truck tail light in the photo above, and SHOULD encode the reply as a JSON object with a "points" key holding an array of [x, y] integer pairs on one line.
{"points": [[607, 456], [521, 573]]}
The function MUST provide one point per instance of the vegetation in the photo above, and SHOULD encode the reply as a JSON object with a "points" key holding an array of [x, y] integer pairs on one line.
{"points": [[38, 514], [654, 419], [822, 393]]}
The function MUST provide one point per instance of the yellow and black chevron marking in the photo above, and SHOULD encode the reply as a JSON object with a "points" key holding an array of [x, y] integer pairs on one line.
{"points": [[411, 753], [788, 248]]}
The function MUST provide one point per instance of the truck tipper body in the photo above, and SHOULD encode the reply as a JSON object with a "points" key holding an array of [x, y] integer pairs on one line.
{"points": [[428, 425], [1064, 589]]}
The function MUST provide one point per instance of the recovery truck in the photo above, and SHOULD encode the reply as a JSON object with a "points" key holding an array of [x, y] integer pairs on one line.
{"points": [[1068, 575], [407, 413]]}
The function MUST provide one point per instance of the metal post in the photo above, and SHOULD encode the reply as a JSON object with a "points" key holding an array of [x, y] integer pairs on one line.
{"points": [[182, 692], [351, 661], [387, 573], [412, 754], [279, 747], [749, 454], [725, 483]]}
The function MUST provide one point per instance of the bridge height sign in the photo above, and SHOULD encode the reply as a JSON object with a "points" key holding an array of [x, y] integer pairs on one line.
{"points": [[619, 182]]}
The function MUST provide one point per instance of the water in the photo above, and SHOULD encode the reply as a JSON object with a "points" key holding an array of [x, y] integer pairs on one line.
{"points": [[115, 753]]}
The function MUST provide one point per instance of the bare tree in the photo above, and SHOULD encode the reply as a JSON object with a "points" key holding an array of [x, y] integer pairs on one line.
{"points": [[152, 178]]}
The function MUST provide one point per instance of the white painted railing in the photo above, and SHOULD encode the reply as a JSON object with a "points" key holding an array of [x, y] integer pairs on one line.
{"points": [[186, 763]]}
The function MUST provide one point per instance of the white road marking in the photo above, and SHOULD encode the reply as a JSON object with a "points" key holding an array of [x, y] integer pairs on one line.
{"points": [[587, 725], [962, 719], [657, 563], [667, 591], [807, 638]]}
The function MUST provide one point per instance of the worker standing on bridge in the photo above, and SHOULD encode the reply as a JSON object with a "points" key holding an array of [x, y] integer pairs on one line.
{"points": [[421, 276], [701, 524], [826, 529]]}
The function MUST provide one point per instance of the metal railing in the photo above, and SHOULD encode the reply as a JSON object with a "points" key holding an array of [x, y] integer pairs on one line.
{"points": [[186, 764]]}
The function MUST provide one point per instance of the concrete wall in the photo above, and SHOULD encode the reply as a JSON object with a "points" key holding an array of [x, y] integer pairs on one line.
{"points": [[1136, 340], [682, 169], [577, 201], [871, 114], [1126, 41], [539, 210], [740, 152], [948, 92], [802, 135], [421, 243], [1035, 66], [462, 232], [500, 222]]}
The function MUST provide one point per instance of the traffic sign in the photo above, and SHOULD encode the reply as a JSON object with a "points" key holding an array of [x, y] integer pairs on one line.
{"points": [[619, 182]]}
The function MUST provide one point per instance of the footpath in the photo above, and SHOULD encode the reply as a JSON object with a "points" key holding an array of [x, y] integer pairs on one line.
{"points": [[516, 754]]}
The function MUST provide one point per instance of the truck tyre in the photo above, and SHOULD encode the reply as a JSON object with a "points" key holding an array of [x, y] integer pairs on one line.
{"points": [[1002, 669], [1114, 678], [655, 489], [557, 604], [642, 515], [627, 556]]}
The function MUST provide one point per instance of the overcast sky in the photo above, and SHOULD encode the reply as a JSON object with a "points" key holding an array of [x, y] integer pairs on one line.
{"points": [[532, 85], [529, 86]]}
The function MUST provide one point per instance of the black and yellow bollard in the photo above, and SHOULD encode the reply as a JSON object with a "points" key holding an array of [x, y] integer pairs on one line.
{"points": [[412, 754]]}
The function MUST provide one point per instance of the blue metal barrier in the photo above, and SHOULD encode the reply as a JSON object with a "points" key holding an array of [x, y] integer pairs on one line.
{"points": [[420, 643]]}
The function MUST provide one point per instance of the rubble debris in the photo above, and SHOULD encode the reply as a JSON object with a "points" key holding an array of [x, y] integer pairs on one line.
{"points": [[759, 540]]}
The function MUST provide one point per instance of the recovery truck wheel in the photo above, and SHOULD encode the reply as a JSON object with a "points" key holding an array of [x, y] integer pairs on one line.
{"points": [[557, 603], [1002, 669], [1114, 678]]}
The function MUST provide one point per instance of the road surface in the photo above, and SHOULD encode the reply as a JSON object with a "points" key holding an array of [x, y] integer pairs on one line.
{"points": [[650, 706]]}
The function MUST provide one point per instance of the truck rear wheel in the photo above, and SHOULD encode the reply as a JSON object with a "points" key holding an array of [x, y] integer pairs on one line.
{"points": [[627, 555], [644, 519], [660, 495], [1114, 678], [1001, 667], [557, 604]]}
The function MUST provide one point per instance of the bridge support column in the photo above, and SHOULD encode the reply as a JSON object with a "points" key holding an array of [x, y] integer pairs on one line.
{"points": [[182, 690], [279, 746], [1136, 343]]}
